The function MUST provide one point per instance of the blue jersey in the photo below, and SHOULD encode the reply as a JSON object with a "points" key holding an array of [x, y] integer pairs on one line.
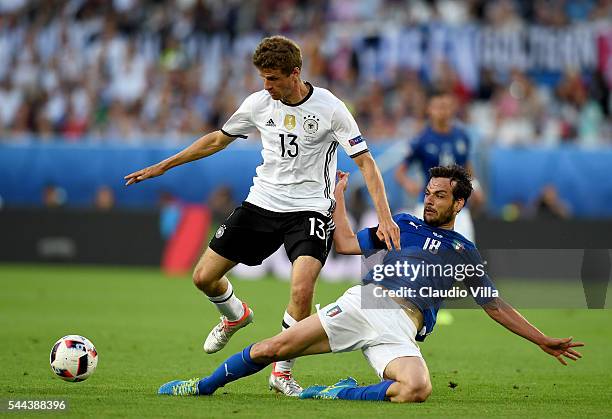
{"points": [[433, 149], [442, 255]]}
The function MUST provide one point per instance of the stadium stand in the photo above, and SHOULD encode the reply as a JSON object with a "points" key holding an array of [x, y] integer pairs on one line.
{"points": [[139, 71]]}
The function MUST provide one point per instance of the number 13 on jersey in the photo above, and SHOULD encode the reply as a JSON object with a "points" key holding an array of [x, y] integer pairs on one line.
{"points": [[317, 228], [292, 151]]}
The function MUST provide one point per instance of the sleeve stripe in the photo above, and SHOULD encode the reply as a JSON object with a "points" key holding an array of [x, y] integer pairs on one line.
{"points": [[360, 153], [232, 135]]}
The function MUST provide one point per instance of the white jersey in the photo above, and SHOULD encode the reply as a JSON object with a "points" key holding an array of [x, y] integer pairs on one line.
{"points": [[299, 148]]}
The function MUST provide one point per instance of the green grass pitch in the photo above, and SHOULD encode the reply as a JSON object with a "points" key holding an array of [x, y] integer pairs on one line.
{"points": [[149, 329]]}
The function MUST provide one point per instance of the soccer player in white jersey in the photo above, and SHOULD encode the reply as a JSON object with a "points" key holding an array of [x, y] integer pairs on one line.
{"points": [[292, 198]]}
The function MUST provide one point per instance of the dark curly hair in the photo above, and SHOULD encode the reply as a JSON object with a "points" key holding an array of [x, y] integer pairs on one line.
{"points": [[462, 186]]}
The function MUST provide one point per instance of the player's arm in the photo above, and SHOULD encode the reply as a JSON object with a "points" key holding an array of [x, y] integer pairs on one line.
{"points": [[388, 231], [203, 147], [507, 316], [477, 198], [408, 184], [345, 130], [345, 240]]}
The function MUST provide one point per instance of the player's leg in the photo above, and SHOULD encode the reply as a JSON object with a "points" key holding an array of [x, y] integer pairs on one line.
{"points": [[397, 359], [411, 381], [305, 338], [245, 237], [307, 242], [209, 277], [303, 277], [406, 380], [386, 337]]}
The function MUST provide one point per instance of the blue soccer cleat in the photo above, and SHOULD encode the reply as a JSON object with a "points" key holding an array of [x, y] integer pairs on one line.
{"points": [[311, 392], [180, 388], [330, 392]]}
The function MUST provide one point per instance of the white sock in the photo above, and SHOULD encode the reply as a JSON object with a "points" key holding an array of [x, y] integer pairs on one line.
{"points": [[285, 366], [228, 304]]}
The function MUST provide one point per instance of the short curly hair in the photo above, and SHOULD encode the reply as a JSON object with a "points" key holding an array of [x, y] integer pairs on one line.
{"points": [[462, 188], [278, 53]]}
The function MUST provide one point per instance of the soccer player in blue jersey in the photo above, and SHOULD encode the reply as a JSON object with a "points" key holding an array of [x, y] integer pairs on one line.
{"points": [[364, 318], [442, 142]]}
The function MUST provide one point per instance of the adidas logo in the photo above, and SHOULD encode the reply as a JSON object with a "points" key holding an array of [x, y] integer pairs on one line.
{"points": [[270, 123]]}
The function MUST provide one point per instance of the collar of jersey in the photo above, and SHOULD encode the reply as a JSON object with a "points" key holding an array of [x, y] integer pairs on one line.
{"points": [[310, 90]]}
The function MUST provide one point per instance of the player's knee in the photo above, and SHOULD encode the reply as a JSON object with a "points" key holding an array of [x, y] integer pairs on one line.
{"points": [[421, 393], [270, 350], [201, 277], [198, 277], [414, 392], [262, 351]]}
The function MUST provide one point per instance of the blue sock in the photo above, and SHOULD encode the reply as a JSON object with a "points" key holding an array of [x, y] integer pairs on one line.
{"points": [[373, 392], [236, 366]]}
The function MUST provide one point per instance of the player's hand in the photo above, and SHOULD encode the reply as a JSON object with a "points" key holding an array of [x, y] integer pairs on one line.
{"points": [[412, 187], [560, 348], [341, 184], [389, 232], [146, 173]]}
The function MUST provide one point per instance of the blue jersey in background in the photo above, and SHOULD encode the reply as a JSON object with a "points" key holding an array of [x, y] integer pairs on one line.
{"points": [[431, 149]]}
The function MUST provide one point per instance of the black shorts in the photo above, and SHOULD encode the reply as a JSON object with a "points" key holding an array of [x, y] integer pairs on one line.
{"points": [[251, 234]]}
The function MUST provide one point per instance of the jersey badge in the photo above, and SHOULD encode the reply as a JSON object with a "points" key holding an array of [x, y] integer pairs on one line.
{"points": [[311, 124], [290, 121], [334, 311], [354, 141], [458, 246], [220, 231]]}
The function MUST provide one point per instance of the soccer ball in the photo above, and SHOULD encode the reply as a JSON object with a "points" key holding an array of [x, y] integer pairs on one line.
{"points": [[73, 358]]}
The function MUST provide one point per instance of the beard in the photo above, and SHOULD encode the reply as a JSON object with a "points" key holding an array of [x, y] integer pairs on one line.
{"points": [[440, 218]]}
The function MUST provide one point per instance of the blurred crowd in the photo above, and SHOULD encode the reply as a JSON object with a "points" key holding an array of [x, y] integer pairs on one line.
{"points": [[139, 71]]}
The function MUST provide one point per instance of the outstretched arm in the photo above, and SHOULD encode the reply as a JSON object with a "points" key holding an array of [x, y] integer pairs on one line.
{"points": [[388, 231], [345, 240], [507, 316], [203, 147]]}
